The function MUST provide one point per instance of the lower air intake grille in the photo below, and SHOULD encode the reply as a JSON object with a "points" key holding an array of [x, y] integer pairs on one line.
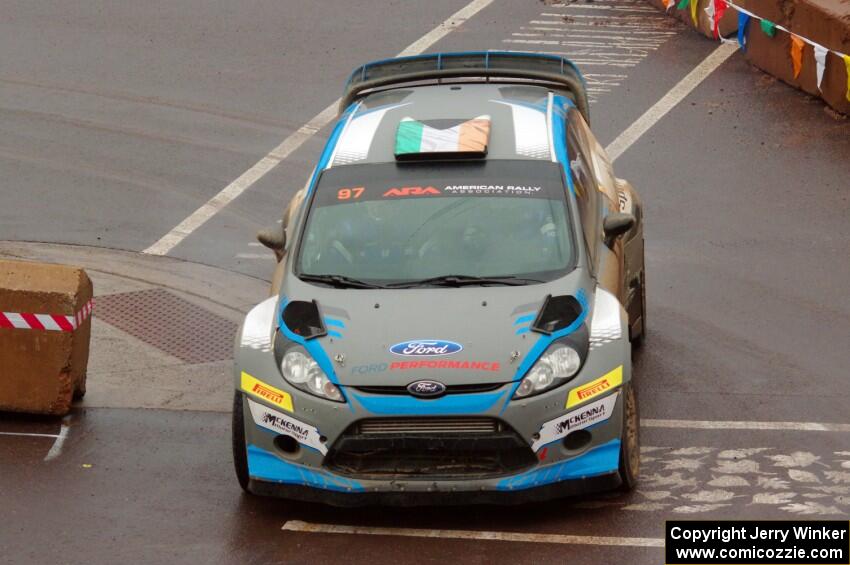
{"points": [[428, 426], [426, 448]]}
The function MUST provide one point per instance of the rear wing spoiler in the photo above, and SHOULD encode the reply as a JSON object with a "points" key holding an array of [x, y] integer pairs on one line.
{"points": [[552, 70]]}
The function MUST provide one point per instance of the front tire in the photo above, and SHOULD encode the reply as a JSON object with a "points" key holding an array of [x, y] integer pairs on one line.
{"points": [[630, 441], [240, 452]]}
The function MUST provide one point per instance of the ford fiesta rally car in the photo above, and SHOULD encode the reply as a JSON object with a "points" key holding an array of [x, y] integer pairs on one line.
{"points": [[458, 290]]}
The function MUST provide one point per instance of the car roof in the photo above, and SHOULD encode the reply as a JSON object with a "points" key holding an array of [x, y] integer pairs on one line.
{"points": [[519, 119]]}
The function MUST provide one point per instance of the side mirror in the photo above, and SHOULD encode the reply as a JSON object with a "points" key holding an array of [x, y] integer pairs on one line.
{"points": [[274, 239], [617, 224]]}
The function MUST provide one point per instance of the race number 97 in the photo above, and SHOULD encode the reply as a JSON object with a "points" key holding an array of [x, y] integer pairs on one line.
{"points": [[349, 193]]}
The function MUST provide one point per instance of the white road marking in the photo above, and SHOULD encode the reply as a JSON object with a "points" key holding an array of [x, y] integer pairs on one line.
{"points": [[200, 216], [676, 94], [308, 527], [735, 425], [27, 434], [619, 35], [254, 255], [717, 478], [641, 9], [56, 448], [597, 33]]}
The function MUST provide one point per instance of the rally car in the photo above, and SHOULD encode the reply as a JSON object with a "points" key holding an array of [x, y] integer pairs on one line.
{"points": [[458, 292]]}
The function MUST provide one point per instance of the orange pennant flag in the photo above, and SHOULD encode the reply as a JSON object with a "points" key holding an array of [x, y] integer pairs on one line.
{"points": [[797, 54], [847, 64]]}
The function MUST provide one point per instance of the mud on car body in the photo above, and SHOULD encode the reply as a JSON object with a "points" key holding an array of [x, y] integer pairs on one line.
{"points": [[459, 289]]}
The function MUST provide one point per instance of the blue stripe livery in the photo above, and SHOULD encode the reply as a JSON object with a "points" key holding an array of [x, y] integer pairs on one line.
{"points": [[266, 466], [544, 341], [598, 461]]}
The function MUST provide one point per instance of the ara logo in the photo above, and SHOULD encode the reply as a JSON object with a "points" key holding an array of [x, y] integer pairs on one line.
{"points": [[426, 389], [412, 191], [425, 348]]}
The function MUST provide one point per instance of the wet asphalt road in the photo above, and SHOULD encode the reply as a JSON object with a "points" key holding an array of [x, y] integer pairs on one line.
{"points": [[118, 121]]}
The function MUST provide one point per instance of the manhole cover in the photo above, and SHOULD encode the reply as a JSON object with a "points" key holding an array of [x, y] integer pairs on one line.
{"points": [[169, 323]]}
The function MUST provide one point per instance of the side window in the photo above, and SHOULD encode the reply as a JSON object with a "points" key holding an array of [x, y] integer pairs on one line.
{"points": [[602, 169], [587, 193]]}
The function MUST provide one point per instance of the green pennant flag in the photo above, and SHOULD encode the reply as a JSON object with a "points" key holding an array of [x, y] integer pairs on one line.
{"points": [[682, 4], [768, 27]]}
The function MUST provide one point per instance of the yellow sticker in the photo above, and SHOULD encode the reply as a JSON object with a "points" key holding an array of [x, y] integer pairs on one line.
{"points": [[603, 384], [266, 392]]}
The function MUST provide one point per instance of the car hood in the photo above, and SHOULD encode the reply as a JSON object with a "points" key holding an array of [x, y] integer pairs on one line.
{"points": [[466, 335]]}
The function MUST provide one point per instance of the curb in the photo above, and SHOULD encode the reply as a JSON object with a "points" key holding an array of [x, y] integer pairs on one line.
{"points": [[804, 43], [162, 328]]}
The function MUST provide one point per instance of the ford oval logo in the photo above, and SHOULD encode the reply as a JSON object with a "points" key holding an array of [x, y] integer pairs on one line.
{"points": [[426, 389], [425, 348]]}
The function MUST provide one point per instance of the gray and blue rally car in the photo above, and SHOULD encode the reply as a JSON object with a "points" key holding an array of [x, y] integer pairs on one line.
{"points": [[459, 288]]}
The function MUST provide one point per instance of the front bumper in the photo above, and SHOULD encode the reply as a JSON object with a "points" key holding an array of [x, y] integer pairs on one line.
{"points": [[402, 497], [553, 469]]}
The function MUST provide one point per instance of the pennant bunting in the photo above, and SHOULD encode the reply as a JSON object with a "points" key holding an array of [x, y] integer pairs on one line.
{"points": [[820, 59], [797, 54], [743, 20], [694, 4], [670, 4], [715, 11], [719, 9], [847, 64], [682, 4]]}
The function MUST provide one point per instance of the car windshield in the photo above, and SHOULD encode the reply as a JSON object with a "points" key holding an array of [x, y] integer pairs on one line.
{"points": [[404, 223]]}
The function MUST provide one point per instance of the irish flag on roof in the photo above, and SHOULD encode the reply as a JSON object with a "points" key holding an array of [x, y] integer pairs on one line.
{"points": [[442, 137]]}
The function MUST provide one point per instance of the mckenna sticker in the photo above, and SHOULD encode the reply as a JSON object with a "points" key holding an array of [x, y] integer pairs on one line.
{"points": [[282, 424], [584, 417]]}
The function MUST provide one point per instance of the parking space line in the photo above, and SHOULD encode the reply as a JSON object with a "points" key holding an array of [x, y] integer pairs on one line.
{"points": [[209, 209], [26, 434], [736, 425], [676, 94], [56, 448], [310, 527]]}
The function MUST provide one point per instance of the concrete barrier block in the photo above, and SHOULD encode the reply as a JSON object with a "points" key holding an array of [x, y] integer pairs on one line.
{"points": [[45, 330], [826, 22]]}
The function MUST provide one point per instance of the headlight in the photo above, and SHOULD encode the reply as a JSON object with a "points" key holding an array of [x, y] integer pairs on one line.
{"points": [[551, 370], [302, 372]]}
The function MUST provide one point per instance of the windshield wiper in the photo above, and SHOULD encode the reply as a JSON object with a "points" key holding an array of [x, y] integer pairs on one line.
{"points": [[339, 281], [465, 280]]}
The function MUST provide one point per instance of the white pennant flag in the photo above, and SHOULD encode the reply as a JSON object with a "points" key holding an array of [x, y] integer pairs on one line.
{"points": [[710, 11], [820, 58]]}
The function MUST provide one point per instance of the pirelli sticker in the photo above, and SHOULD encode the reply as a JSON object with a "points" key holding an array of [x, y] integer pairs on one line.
{"points": [[280, 423], [604, 384], [266, 392]]}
